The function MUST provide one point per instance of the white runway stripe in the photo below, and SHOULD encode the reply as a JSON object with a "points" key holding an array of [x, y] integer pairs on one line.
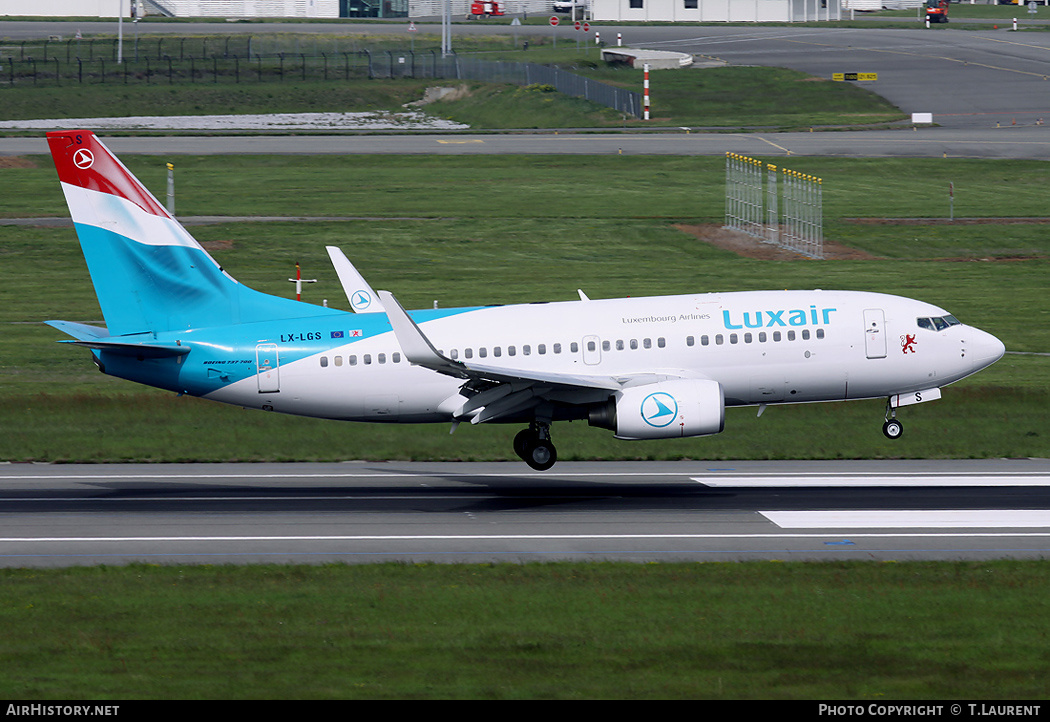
{"points": [[912, 519]]}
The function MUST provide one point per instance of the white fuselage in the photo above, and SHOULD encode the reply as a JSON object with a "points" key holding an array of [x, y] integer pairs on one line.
{"points": [[763, 347]]}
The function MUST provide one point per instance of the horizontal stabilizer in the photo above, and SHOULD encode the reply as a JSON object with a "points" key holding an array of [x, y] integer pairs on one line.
{"points": [[140, 350], [79, 331], [98, 338]]}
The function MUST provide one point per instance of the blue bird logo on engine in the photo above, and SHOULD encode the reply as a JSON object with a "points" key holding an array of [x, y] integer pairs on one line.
{"points": [[659, 409]]}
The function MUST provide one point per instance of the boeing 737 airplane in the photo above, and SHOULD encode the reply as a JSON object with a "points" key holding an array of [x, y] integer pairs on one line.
{"points": [[646, 368]]}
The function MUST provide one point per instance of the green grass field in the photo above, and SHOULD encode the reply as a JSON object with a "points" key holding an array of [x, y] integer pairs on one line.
{"points": [[863, 632]]}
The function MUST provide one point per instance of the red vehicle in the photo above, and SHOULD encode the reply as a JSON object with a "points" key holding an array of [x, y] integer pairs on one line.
{"points": [[484, 9], [937, 11]]}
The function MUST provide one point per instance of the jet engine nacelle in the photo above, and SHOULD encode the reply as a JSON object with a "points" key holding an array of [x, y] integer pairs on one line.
{"points": [[683, 407]]}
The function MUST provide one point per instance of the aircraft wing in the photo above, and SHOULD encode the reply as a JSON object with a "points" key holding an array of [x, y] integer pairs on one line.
{"points": [[496, 390]]}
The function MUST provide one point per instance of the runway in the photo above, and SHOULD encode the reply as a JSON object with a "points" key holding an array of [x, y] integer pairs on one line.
{"points": [[61, 515]]}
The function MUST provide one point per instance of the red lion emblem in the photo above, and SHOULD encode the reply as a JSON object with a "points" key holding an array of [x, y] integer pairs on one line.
{"points": [[907, 343]]}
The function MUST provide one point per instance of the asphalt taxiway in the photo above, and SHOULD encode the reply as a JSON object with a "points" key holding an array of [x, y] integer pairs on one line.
{"points": [[357, 512]]}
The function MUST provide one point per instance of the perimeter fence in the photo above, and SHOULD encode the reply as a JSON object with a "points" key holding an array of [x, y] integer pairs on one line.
{"points": [[241, 60]]}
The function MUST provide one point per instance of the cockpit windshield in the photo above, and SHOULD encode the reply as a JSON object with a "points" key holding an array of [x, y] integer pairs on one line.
{"points": [[938, 323]]}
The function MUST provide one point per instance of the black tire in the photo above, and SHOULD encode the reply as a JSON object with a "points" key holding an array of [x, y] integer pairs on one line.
{"points": [[541, 455], [893, 429], [521, 443]]}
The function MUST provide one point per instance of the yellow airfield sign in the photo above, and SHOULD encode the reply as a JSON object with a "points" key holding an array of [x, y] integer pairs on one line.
{"points": [[854, 76]]}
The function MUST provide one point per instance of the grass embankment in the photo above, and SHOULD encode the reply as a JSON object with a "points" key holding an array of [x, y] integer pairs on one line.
{"points": [[857, 631], [466, 230], [727, 97]]}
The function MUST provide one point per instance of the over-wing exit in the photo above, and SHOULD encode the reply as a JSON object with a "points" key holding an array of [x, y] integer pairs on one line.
{"points": [[645, 368]]}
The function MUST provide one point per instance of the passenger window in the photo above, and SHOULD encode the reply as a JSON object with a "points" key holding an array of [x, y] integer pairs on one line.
{"points": [[382, 358], [791, 335], [397, 357], [661, 342], [575, 347], [368, 359], [648, 343], [324, 362], [526, 350], [776, 336], [732, 338], [688, 341], [557, 348], [820, 333], [483, 352], [606, 346], [805, 334], [512, 350], [541, 349], [619, 345], [353, 360], [762, 337], [718, 339], [634, 344], [468, 353], [497, 352], [338, 360]]}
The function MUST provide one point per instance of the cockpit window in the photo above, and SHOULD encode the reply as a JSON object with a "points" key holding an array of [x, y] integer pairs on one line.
{"points": [[937, 323]]}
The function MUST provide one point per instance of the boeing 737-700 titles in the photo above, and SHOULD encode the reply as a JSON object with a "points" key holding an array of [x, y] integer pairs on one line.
{"points": [[646, 368]]}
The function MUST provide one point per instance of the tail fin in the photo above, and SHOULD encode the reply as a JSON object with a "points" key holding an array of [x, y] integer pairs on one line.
{"points": [[149, 273]]}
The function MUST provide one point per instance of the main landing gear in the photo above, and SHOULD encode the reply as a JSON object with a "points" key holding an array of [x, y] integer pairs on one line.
{"points": [[893, 429], [534, 446]]}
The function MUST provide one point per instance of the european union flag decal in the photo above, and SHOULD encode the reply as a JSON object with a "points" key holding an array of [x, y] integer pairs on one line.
{"points": [[337, 334]]}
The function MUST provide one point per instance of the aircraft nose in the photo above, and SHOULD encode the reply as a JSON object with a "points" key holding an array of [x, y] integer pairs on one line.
{"points": [[985, 349]]}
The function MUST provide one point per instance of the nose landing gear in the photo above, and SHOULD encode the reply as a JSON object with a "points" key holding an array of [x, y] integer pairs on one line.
{"points": [[534, 446], [893, 429]]}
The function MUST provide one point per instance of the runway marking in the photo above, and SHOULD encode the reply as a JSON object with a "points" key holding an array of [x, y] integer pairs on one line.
{"points": [[765, 140], [815, 480], [912, 519], [460, 142], [724, 478], [504, 537]]}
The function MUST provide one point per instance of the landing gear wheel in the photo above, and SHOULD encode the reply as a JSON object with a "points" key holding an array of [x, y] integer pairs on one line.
{"points": [[521, 443], [534, 446], [540, 454], [893, 429]]}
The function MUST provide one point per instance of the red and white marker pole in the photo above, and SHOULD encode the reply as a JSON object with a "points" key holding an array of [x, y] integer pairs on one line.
{"points": [[299, 281], [646, 70]]}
